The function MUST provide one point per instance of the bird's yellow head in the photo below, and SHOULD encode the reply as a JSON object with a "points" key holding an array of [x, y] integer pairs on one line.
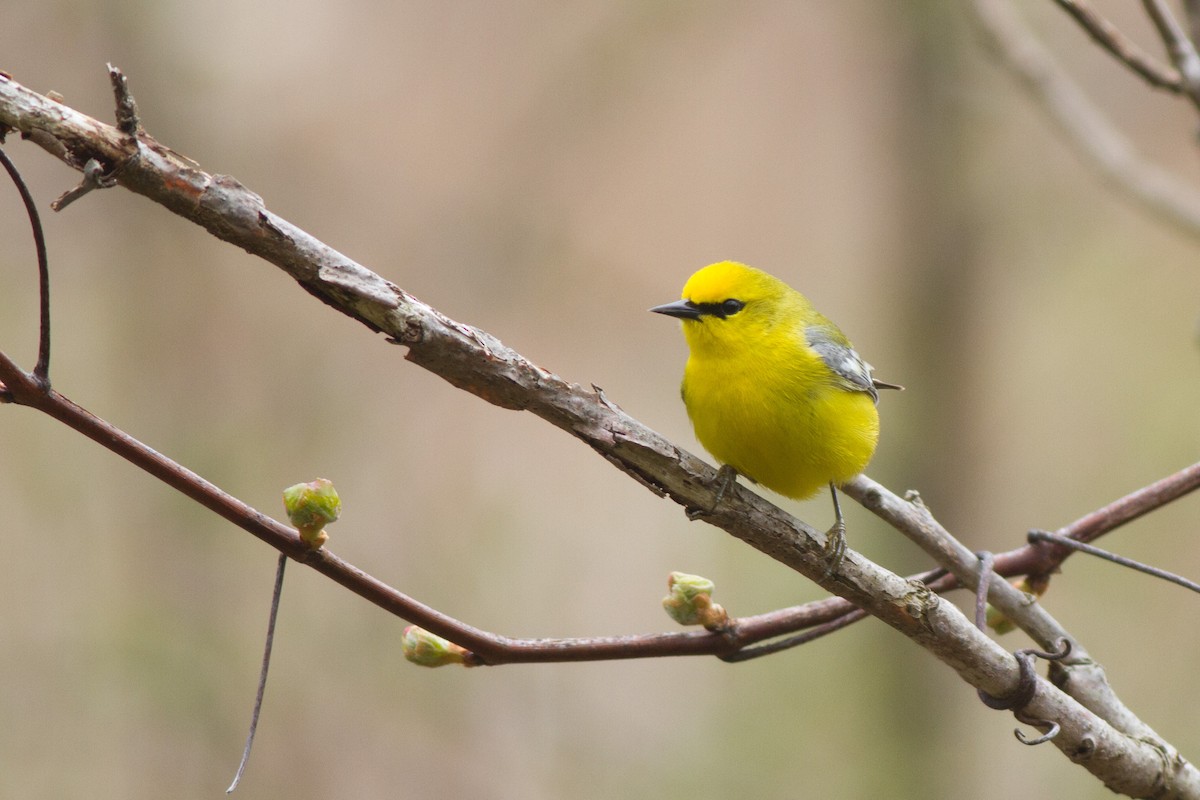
{"points": [[728, 305]]}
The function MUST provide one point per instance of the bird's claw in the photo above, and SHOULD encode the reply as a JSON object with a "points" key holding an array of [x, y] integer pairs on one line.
{"points": [[726, 477], [835, 548]]}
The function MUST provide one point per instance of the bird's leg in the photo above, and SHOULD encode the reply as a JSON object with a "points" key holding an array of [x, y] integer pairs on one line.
{"points": [[835, 537], [726, 476]]}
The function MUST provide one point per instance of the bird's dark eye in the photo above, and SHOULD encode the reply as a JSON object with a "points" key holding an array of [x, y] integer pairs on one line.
{"points": [[731, 307]]}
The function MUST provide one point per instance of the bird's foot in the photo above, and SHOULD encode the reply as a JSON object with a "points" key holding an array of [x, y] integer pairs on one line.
{"points": [[835, 548], [726, 477]]}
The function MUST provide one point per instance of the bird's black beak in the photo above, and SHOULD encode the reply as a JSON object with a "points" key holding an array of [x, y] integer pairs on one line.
{"points": [[683, 309]]}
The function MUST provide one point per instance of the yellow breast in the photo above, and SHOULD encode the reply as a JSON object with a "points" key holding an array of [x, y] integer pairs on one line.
{"points": [[780, 422]]}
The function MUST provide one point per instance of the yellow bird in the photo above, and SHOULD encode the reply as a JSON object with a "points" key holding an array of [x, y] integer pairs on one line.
{"points": [[774, 389]]}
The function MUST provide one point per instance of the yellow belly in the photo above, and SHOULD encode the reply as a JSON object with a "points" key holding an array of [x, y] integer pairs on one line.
{"points": [[793, 436]]}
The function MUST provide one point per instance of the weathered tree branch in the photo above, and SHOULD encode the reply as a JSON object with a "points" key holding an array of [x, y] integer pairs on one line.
{"points": [[477, 362]]}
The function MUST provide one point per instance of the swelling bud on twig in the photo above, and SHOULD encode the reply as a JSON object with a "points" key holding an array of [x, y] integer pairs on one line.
{"points": [[690, 602], [310, 507], [426, 649]]}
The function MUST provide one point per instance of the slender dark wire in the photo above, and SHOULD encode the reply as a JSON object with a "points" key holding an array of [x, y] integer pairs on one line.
{"points": [[262, 677], [41, 372], [1046, 536]]}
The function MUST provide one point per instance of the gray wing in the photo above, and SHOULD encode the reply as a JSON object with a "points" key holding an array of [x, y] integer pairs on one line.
{"points": [[852, 372]]}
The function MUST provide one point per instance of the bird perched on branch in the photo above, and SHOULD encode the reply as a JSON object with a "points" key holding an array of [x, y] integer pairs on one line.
{"points": [[774, 389]]}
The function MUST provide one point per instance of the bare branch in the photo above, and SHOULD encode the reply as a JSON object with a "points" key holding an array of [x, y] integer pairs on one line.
{"points": [[486, 648], [1088, 129], [1124, 49], [1192, 9], [41, 372], [1130, 507], [1079, 673], [1179, 47], [1047, 559]]}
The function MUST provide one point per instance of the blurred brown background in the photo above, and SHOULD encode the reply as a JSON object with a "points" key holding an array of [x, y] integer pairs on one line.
{"points": [[548, 171]]}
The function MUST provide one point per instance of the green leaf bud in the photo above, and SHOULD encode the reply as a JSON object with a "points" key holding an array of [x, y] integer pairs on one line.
{"points": [[310, 507], [690, 601], [430, 650]]}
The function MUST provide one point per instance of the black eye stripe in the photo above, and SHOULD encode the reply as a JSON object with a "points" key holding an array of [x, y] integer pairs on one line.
{"points": [[723, 309]]}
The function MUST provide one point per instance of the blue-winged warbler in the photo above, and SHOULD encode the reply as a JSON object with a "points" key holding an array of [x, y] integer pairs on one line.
{"points": [[774, 390]]}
